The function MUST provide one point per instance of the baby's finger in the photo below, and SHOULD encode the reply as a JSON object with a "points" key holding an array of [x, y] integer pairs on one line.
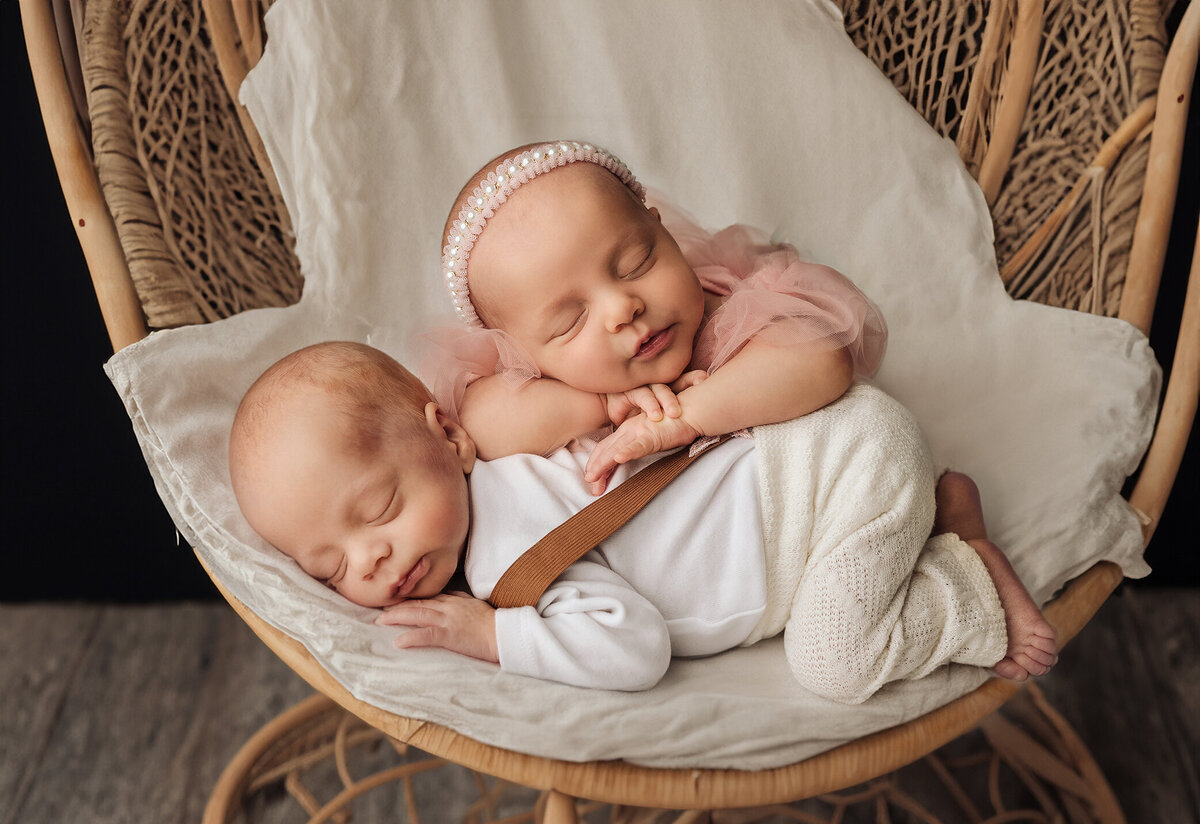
{"points": [[622, 446], [598, 471], [597, 487], [390, 618], [417, 637], [645, 399], [600, 466], [638, 446], [421, 636], [618, 407], [414, 613], [667, 400], [421, 612], [689, 379]]}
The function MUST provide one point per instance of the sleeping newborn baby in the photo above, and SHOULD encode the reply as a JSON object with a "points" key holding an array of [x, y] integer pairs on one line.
{"points": [[818, 528]]}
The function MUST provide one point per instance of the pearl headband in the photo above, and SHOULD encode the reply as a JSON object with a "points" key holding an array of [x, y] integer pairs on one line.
{"points": [[497, 187]]}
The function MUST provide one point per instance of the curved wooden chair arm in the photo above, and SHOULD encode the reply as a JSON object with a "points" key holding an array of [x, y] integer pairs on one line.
{"points": [[94, 226], [1162, 176], [619, 782], [1178, 413]]}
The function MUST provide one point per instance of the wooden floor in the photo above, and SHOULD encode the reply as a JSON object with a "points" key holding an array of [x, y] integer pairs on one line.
{"points": [[128, 713]]}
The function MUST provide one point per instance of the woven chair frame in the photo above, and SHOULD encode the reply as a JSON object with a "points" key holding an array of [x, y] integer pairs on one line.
{"points": [[1070, 115]]}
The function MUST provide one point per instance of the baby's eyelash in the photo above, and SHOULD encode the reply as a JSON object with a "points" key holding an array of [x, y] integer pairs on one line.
{"points": [[386, 509], [337, 575], [641, 267], [569, 328]]}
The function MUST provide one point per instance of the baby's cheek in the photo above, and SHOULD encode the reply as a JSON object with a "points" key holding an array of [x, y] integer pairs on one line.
{"points": [[445, 520], [602, 363]]}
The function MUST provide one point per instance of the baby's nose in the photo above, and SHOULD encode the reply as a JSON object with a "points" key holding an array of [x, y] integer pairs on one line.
{"points": [[370, 555], [623, 309]]}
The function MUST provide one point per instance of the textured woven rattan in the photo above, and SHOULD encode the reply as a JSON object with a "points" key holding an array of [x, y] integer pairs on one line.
{"points": [[1027, 760], [1063, 212], [168, 152], [192, 207], [1052, 106]]}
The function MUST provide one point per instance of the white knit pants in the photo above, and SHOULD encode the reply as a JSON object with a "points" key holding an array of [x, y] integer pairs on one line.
{"points": [[862, 593]]}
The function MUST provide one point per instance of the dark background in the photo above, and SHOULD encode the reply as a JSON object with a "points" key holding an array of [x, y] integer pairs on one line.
{"points": [[82, 519]]}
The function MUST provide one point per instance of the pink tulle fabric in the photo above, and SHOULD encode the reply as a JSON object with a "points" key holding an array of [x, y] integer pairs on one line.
{"points": [[769, 294]]}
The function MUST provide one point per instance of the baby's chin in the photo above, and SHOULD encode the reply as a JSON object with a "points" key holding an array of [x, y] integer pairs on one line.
{"points": [[373, 603], [668, 373], [665, 373]]}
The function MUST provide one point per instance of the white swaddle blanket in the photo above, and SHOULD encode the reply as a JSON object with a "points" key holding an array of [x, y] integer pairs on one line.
{"points": [[375, 113]]}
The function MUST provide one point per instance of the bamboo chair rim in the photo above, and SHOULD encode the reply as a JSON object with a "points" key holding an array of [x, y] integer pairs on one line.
{"points": [[618, 781], [90, 215], [621, 782]]}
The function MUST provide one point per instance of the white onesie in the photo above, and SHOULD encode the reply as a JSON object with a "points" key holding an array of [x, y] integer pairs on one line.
{"points": [[685, 577], [819, 528]]}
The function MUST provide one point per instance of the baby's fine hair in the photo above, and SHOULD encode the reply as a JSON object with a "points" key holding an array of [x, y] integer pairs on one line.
{"points": [[377, 395]]}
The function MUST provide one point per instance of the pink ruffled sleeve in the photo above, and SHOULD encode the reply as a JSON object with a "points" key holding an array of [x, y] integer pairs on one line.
{"points": [[770, 293], [454, 356]]}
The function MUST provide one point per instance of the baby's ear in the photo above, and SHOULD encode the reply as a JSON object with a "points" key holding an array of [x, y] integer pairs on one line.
{"points": [[654, 211], [442, 424]]}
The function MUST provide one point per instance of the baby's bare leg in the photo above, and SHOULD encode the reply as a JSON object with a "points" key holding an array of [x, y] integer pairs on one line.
{"points": [[1032, 642]]}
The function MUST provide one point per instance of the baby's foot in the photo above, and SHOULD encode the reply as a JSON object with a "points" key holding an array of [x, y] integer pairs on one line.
{"points": [[1032, 641]]}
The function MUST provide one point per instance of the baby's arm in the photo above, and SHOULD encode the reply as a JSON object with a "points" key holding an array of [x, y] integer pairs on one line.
{"points": [[543, 414], [537, 416], [766, 384], [762, 384], [590, 629]]}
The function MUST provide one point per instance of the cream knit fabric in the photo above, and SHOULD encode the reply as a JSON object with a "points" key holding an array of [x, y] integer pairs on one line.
{"points": [[862, 593]]}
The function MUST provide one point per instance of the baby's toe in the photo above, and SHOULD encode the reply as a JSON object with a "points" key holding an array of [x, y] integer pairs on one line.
{"points": [[1032, 665], [1044, 643], [1040, 656], [1010, 669]]}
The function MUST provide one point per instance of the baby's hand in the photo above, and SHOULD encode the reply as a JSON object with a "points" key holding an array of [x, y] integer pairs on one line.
{"points": [[453, 620], [636, 438], [654, 400]]}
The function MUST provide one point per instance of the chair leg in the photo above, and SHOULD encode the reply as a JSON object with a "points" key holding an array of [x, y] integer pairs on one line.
{"points": [[559, 809]]}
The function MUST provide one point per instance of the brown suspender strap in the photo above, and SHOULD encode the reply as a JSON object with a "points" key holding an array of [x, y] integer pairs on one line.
{"points": [[523, 583]]}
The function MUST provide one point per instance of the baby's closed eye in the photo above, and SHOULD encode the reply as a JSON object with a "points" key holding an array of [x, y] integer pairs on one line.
{"points": [[568, 325], [391, 505], [637, 264], [331, 581]]}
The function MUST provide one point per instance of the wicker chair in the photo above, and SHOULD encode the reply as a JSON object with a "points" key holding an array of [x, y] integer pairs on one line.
{"points": [[137, 99]]}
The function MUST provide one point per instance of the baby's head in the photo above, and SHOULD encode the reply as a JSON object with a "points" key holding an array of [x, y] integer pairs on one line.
{"points": [[341, 460], [574, 266]]}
